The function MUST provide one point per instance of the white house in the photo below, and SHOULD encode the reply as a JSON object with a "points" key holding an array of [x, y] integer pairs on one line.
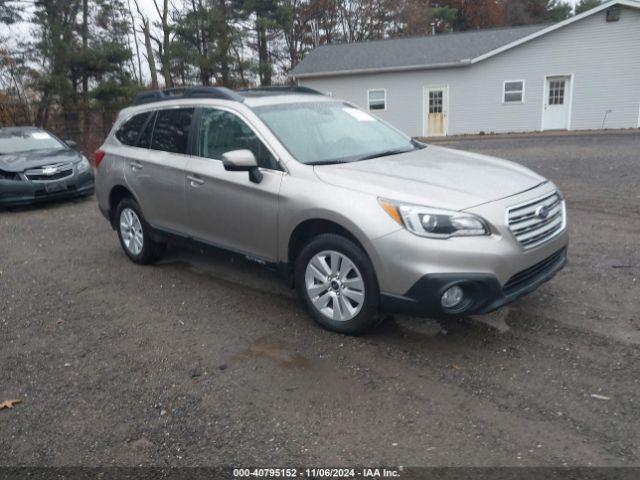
{"points": [[582, 73]]}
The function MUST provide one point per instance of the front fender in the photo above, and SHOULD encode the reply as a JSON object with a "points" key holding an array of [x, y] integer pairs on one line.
{"points": [[358, 213]]}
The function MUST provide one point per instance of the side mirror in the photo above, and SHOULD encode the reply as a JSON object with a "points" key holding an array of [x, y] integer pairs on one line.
{"points": [[71, 144], [242, 161]]}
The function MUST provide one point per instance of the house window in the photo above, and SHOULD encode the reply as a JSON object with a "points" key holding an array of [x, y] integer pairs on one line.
{"points": [[513, 91], [377, 99]]}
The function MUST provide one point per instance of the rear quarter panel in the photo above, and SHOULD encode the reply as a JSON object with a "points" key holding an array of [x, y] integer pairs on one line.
{"points": [[109, 174]]}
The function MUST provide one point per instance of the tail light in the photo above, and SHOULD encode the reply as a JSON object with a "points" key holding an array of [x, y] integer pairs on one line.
{"points": [[98, 156]]}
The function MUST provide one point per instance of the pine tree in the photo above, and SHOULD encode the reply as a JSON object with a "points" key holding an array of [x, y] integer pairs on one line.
{"points": [[584, 5]]}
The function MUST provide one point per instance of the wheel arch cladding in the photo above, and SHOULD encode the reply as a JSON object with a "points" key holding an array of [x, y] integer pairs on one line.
{"points": [[310, 228], [117, 194]]}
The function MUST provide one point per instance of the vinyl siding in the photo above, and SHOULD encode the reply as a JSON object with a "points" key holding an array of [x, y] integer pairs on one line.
{"points": [[603, 58]]}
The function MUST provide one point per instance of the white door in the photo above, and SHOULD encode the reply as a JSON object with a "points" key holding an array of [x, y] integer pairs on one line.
{"points": [[436, 106], [555, 115]]}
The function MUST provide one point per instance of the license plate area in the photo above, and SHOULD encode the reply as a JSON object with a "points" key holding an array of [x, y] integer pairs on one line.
{"points": [[52, 187]]}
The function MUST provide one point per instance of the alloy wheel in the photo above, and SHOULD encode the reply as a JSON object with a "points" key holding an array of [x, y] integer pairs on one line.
{"points": [[334, 285], [131, 231]]}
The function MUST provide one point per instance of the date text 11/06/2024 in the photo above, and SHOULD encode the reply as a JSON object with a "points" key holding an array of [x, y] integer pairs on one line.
{"points": [[336, 473]]}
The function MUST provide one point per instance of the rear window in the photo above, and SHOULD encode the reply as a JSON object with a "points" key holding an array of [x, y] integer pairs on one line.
{"points": [[129, 132], [171, 131]]}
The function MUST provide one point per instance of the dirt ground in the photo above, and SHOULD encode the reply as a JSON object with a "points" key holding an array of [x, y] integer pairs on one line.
{"points": [[207, 361]]}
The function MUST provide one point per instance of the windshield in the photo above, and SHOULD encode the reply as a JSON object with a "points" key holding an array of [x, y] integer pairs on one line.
{"points": [[17, 141], [332, 132]]}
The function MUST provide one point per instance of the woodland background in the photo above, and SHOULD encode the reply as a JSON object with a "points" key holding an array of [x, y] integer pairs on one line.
{"points": [[86, 59]]}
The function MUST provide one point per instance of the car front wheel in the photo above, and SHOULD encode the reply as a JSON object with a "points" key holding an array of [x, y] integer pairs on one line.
{"points": [[337, 283]]}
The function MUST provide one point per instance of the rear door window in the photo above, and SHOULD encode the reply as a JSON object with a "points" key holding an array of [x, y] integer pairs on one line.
{"points": [[145, 137], [171, 131], [129, 132]]}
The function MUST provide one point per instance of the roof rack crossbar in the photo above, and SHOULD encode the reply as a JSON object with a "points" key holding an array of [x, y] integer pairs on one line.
{"points": [[283, 89], [186, 92]]}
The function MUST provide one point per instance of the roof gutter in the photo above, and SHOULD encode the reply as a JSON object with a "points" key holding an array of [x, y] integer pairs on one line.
{"points": [[364, 71]]}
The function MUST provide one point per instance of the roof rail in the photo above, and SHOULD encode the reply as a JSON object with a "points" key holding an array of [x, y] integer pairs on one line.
{"points": [[282, 89], [186, 92]]}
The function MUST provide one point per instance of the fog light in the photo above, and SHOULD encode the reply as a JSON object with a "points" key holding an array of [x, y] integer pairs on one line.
{"points": [[452, 297]]}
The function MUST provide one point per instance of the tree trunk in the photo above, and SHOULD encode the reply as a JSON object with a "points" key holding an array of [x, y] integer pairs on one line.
{"points": [[238, 59], [150, 58], [264, 66], [147, 45], [135, 41], [166, 46]]}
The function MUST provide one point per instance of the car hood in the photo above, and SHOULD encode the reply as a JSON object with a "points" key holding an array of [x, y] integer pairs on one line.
{"points": [[19, 162], [434, 176]]}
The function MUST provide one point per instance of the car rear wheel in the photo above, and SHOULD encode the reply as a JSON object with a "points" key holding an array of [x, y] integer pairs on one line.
{"points": [[337, 283], [134, 233]]}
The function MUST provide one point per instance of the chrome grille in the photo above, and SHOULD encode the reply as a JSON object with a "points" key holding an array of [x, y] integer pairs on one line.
{"points": [[537, 221], [47, 173]]}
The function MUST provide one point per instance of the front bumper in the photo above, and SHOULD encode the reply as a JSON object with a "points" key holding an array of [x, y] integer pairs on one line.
{"points": [[483, 293], [16, 193], [493, 270]]}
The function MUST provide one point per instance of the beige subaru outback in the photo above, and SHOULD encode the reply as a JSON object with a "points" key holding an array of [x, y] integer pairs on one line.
{"points": [[359, 217]]}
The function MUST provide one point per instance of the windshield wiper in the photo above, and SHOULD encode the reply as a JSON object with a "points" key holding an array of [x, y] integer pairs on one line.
{"points": [[327, 162], [387, 153]]}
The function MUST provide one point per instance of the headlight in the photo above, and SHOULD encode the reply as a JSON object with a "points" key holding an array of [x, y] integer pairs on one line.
{"points": [[434, 223], [84, 165]]}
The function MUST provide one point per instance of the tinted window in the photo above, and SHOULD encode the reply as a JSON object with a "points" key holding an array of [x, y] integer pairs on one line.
{"points": [[129, 132], [171, 131], [222, 131], [145, 136]]}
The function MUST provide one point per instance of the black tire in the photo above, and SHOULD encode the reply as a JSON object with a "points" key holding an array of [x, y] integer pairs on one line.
{"points": [[368, 316], [150, 250]]}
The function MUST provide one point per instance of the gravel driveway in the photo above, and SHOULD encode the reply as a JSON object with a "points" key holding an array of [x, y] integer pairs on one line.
{"points": [[207, 361]]}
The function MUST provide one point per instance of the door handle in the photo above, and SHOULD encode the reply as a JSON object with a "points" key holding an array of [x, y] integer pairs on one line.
{"points": [[135, 166], [195, 181]]}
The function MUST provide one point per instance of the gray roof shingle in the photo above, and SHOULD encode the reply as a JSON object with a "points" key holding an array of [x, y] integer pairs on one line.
{"points": [[420, 52]]}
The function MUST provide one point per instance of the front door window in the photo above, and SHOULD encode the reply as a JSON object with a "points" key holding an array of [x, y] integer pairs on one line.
{"points": [[435, 101], [556, 92], [222, 132]]}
